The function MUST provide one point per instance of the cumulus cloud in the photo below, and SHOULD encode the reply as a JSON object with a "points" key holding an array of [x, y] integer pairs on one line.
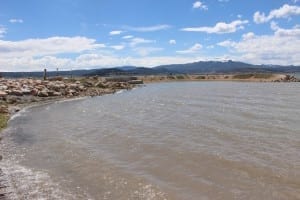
{"points": [[285, 11], [200, 5], [2, 31], [117, 32], [89, 61], [117, 47], [280, 48], [148, 28], [220, 27], [16, 21], [194, 49], [47, 46], [172, 42]]}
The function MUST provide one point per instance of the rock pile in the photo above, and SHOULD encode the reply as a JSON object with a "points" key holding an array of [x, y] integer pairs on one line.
{"points": [[14, 91]]}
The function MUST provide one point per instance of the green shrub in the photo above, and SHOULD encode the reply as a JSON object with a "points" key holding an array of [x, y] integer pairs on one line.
{"points": [[200, 77], [242, 76], [3, 120], [180, 77]]}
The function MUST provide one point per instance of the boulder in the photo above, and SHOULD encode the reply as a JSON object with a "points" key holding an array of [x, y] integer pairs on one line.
{"points": [[57, 94], [3, 87], [43, 93], [3, 94], [26, 91], [34, 92], [73, 86], [3, 109], [16, 92]]}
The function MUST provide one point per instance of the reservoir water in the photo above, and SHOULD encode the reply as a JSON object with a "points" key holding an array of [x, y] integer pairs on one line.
{"points": [[189, 140]]}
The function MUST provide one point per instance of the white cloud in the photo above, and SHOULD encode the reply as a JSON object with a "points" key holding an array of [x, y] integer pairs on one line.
{"points": [[127, 37], [16, 21], [145, 51], [194, 49], [136, 41], [117, 32], [148, 28], [220, 27], [2, 31], [285, 11], [117, 47], [89, 61], [199, 4], [274, 26], [249, 35], [280, 48], [172, 41], [47, 46]]}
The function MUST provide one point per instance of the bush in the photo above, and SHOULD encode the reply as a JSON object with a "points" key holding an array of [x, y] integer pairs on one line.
{"points": [[242, 76], [200, 77], [180, 77]]}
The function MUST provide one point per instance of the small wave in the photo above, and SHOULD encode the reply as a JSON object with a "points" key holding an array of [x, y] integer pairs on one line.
{"points": [[24, 183]]}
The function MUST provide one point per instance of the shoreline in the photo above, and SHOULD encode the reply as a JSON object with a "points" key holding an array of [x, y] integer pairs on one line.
{"points": [[16, 95]]}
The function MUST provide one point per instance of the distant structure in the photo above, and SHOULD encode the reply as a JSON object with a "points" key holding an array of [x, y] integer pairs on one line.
{"points": [[45, 74]]}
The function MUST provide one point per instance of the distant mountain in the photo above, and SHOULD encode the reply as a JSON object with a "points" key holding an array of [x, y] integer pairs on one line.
{"points": [[202, 67]]}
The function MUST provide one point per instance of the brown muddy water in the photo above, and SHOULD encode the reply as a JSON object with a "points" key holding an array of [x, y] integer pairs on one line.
{"points": [[192, 140]]}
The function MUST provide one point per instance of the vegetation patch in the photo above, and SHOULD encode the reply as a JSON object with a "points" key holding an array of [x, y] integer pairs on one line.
{"points": [[179, 77], [170, 77], [200, 77], [243, 76], [265, 76], [3, 120]]}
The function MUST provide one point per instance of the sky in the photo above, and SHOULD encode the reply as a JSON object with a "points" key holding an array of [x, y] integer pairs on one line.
{"points": [[86, 34]]}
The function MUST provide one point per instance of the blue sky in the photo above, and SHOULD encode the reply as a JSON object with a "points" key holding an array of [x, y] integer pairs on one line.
{"points": [[82, 34]]}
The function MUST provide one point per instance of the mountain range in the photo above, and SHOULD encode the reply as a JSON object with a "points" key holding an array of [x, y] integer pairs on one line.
{"points": [[202, 67]]}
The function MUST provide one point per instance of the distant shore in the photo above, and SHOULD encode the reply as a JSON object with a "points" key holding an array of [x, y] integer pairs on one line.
{"points": [[249, 77]]}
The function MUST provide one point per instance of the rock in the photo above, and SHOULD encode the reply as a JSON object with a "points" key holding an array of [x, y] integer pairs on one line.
{"points": [[57, 94], [3, 109], [43, 93], [3, 87], [16, 93], [34, 92], [81, 88], [88, 84], [100, 84], [73, 86], [26, 91], [3, 94]]}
